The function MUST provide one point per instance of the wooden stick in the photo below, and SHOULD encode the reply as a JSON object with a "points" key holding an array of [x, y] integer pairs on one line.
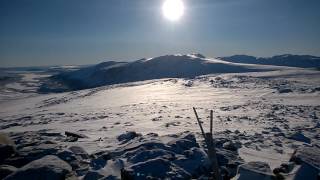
{"points": [[210, 145], [213, 156], [211, 121], [195, 112]]}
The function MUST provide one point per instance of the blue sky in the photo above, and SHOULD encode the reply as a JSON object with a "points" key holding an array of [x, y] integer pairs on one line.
{"points": [[55, 32]]}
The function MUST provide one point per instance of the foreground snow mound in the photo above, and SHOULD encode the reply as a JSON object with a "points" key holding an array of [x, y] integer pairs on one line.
{"points": [[169, 66]]}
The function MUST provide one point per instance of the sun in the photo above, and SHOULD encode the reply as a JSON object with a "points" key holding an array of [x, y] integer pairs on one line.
{"points": [[173, 9]]}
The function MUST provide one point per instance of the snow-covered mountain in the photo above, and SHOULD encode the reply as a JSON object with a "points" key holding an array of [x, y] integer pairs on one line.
{"points": [[303, 61], [168, 66]]}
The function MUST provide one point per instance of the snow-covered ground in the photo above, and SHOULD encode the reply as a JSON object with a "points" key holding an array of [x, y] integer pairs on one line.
{"points": [[248, 102], [266, 114]]}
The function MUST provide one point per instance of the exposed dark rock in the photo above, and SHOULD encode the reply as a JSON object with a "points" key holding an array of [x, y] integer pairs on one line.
{"points": [[284, 168], [71, 139], [73, 134], [255, 170], [309, 155], [183, 143], [93, 175], [6, 170], [195, 161], [299, 136], [6, 151], [98, 163], [36, 152], [225, 157], [7, 147], [128, 136], [284, 90], [232, 145], [51, 134], [154, 168], [79, 151], [144, 155], [17, 161], [69, 157]]}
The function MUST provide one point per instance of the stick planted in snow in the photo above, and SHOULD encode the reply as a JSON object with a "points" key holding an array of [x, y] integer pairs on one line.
{"points": [[210, 145]]}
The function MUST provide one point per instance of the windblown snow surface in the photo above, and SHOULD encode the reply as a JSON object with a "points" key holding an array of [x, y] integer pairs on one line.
{"points": [[271, 113]]}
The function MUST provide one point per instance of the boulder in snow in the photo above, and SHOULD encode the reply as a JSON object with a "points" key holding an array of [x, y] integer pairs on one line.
{"points": [[299, 136], [195, 161], [76, 135], [154, 168], [79, 151], [6, 151], [284, 90], [232, 145], [128, 136], [254, 170], [49, 167], [7, 147], [309, 155], [6, 170]]}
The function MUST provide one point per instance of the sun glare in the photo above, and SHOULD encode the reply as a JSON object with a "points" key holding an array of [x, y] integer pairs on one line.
{"points": [[173, 9]]}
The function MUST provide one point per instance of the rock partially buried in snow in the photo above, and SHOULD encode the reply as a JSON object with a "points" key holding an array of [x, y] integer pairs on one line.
{"points": [[309, 160], [195, 161], [128, 136], [79, 151], [7, 147], [154, 168], [93, 175], [255, 170], [310, 155], [49, 168], [284, 91], [6, 170], [76, 135], [299, 136], [232, 145], [183, 143], [31, 153], [6, 151]]}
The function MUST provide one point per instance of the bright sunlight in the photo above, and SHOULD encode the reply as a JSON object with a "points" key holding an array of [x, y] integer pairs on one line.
{"points": [[173, 9]]}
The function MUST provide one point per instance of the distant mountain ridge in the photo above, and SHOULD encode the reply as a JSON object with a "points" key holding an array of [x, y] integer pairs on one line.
{"points": [[302, 61], [168, 66]]}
